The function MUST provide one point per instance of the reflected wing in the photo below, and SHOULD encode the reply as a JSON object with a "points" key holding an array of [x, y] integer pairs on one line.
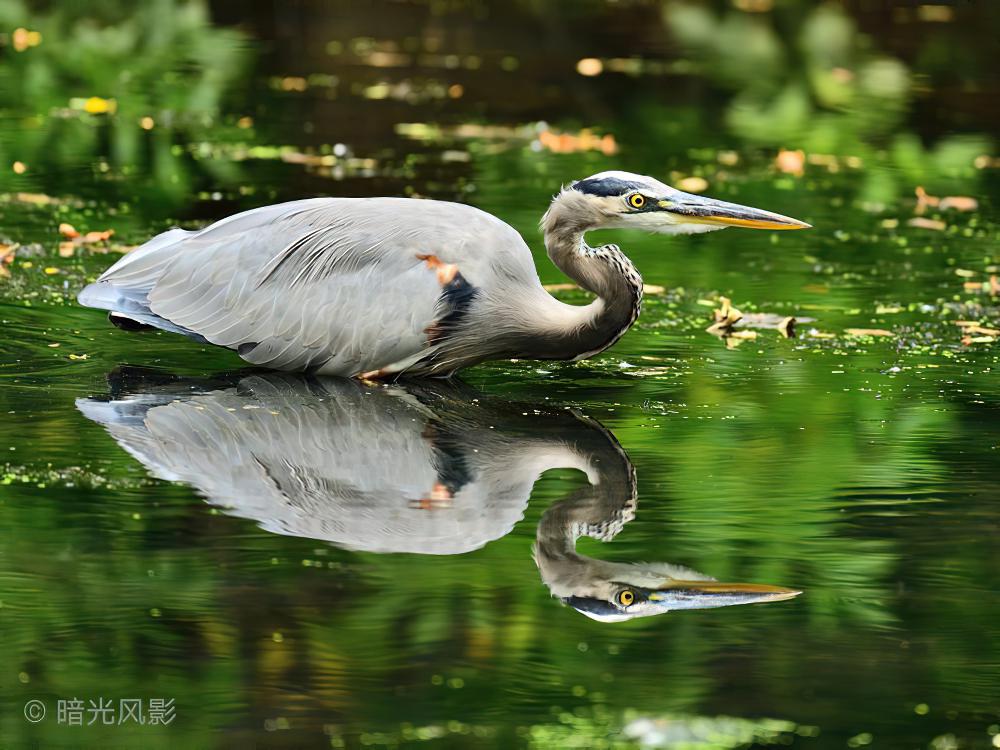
{"points": [[340, 285], [339, 462]]}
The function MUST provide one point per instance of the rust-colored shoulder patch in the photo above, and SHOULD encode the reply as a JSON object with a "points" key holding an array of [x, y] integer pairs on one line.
{"points": [[439, 497], [375, 375], [445, 271]]}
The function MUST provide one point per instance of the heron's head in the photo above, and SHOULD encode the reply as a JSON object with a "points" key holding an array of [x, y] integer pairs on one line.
{"points": [[626, 200], [613, 592]]}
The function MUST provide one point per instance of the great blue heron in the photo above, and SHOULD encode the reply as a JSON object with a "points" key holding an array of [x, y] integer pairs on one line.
{"points": [[380, 287], [430, 469]]}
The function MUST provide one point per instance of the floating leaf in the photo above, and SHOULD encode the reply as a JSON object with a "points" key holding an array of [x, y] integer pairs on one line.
{"points": [[922, 223], [949, 202], [791, 162], [693, 184], [971, 327], [868, 332]]}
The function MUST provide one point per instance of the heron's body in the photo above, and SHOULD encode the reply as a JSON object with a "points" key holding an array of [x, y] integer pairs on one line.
{"points": [[377, 287]]}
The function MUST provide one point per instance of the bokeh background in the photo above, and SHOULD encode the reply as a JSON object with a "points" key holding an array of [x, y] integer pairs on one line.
{"points": [[857, 461]]}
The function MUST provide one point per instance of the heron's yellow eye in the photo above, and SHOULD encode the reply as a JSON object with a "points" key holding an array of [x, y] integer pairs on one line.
{"points": [[626, 597], [636, 200]]}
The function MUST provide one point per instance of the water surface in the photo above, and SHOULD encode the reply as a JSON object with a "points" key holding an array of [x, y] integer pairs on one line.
{"points": [[311, 564]]}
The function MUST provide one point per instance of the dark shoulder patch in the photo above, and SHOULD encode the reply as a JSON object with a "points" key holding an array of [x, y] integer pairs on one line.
{"points": [[456, 298], [604, 187]]}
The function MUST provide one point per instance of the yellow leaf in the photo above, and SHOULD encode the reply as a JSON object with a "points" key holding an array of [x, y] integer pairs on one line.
{"points": [[95, 105]]}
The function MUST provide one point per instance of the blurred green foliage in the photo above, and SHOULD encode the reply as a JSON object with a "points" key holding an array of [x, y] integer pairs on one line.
{"points": [[127, 86], [804, 77]]}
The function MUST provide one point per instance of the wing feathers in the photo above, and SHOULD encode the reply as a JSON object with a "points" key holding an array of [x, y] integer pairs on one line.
{"points": [[337, 284]]}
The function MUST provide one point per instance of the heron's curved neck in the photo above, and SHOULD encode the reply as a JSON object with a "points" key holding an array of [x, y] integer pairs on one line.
{"points": [[599, 511], [572, 332]]}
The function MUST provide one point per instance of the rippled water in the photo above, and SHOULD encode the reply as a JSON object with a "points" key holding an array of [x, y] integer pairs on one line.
{"points": [[309, 563]]}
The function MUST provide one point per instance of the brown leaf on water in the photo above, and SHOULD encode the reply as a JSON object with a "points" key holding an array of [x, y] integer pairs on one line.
{"points": [[868, 332], [736, 338], [968, 340], [7, 255], [972, 327], [774, 321], [991, 287], [725, 317], [560, 287], [949, 202], [570, 143], [791, 162], [35, 199], [75, 239], [958, 203], [816, 288], [726, 314], [692, 184], [91, 238], [922, 223], [647, 289]]}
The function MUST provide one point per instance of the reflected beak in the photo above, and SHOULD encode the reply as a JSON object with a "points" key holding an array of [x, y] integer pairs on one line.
{"points": [[707, 594], [694, 209]]}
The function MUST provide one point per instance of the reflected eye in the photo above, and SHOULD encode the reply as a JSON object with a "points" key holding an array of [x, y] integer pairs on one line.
{"points": [[636, 200], [626, 598]]}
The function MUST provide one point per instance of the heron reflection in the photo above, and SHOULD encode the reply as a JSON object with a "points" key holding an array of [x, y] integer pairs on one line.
{"points": [[429, 468]]}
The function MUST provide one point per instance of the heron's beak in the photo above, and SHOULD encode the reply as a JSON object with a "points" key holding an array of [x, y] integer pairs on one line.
{"points": [[706, 594], [695, 209]]}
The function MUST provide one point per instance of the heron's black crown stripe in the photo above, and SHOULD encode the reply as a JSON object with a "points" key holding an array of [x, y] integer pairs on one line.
{"points": [[604, 187]]}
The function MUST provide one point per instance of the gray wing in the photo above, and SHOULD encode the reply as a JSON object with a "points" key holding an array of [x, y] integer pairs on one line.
{"points": [[338, 285]]}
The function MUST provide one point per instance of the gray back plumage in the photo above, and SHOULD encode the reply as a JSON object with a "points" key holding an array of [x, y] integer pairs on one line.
{"points": [[332, 285]]}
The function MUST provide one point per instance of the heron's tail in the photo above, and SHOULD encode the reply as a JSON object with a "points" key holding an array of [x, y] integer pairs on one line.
{"points": [[123, 290]]}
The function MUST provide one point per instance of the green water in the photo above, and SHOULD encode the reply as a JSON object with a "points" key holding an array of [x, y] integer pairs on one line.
{"points": [[860, 469]]}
